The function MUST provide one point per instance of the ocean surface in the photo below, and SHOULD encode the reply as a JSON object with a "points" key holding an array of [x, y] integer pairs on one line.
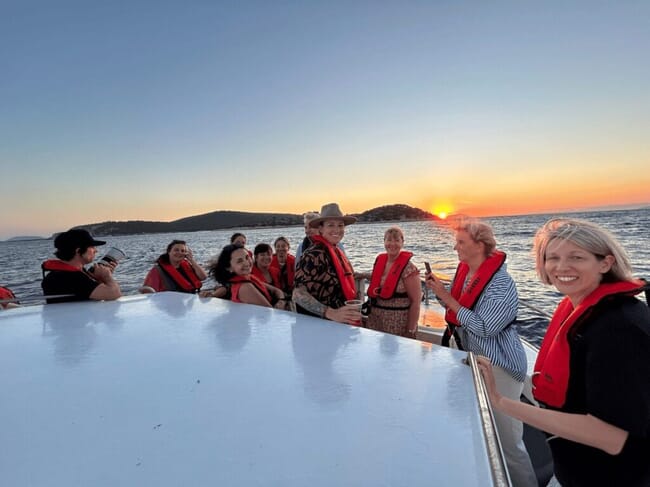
{"points": [[20, 261]]}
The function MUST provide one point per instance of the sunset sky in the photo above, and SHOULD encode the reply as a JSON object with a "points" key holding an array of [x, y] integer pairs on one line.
{"points": [[157, 110]]}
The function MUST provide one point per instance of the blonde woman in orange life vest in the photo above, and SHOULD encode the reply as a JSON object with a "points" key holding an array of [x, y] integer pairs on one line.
{"points": [[482, 305], [592, 374]]}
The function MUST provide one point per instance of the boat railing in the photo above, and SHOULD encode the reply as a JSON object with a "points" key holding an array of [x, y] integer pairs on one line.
{"points": [[496, 458], [360, 280]]}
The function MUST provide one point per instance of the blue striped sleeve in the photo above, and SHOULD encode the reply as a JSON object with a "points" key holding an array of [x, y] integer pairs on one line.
{"points": [[496, 308], [485, 331]]}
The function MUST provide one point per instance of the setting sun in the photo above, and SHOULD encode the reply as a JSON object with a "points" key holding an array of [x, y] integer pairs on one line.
{"points": [[442, 210]]}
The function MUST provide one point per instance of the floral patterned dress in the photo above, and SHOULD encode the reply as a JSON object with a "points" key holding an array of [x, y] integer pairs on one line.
{"points": [[391, 315]]}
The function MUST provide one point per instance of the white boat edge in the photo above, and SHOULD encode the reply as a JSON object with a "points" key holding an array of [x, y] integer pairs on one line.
{"points": [[47, 344]]}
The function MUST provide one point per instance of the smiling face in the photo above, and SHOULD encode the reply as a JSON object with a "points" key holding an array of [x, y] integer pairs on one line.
{"points": [[574, 271], [263, 259], [177, 253], [240, 262], [467, 249], [281, 250], [332, 230], [393, 243]]}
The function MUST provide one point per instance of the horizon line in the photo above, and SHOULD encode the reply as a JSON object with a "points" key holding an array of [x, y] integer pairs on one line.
{"points": [[450, 216]]}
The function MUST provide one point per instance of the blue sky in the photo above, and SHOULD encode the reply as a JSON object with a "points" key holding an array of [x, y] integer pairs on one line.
{"points": [[157, 110]]}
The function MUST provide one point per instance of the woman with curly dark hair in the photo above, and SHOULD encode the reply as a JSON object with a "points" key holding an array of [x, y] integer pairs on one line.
{"points": [[233, 269]]}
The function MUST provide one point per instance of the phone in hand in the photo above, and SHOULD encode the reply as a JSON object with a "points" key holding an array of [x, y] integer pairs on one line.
{"points": [[427, 267]]}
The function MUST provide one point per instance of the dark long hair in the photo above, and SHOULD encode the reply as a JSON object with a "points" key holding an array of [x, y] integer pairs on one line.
{"points": [[219, 269], [165, 257]]}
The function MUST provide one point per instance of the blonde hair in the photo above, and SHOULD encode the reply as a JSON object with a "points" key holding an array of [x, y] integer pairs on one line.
{"points": [[479, 232], [394, 232], [589, 236]]}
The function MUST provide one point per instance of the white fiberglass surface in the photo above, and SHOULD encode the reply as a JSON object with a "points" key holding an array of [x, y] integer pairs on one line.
{"points": [[172, 389]]}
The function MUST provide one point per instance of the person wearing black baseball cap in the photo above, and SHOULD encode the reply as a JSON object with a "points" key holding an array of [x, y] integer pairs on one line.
{"points": [[66, 277]]}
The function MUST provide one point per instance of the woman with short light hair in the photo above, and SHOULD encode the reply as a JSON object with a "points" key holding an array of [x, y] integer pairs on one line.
{"points": [[481, 310]]}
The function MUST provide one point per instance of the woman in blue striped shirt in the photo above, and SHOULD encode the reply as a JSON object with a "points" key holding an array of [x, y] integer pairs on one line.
{"points": [[481, 309]]}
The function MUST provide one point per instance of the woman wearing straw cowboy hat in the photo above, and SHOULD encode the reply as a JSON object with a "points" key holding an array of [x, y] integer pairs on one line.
{"points": [[324, 279]]}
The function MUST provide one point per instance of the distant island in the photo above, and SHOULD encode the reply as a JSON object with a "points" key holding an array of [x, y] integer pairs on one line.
{"points": [[223, 219], [24, 238]]}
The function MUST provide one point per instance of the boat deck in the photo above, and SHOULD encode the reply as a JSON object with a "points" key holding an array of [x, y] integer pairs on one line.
{"points": [[172, 389]]}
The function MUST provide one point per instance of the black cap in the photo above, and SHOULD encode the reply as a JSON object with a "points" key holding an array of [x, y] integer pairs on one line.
{"points": [[75, 239]]}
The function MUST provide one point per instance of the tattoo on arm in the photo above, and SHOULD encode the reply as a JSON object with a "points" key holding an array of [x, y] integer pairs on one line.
{"points": [[305, 300]]}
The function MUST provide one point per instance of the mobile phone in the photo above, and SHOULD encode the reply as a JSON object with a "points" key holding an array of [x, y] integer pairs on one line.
{"points": [[427, 267]]}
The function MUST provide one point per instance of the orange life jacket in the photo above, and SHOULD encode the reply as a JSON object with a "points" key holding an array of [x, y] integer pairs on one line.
{"points": [[59, 265], [386, 291], [236, 283], [191, 286], [5, 293], [287, 272], [551, 373], [275, 276], [342, 267], [468, 296]]}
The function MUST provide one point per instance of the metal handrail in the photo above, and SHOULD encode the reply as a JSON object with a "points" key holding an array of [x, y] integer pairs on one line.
{"points": [[495, 454]]}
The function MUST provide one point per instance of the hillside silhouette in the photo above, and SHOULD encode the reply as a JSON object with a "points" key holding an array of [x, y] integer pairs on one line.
{"points": [[225, 219]]}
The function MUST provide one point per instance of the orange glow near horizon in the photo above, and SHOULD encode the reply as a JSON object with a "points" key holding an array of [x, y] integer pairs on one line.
{"points": [[560, 198], [442, 209]]}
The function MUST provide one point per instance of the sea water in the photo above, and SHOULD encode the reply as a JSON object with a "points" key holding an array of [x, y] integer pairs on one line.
{"points": [[20, 261]]}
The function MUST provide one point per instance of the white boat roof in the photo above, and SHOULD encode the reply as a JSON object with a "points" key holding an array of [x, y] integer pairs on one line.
{"points": [[172, 389]]}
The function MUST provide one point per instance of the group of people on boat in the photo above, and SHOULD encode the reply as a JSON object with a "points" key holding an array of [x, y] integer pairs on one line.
{"points": [[593, 401], [592, 375]]}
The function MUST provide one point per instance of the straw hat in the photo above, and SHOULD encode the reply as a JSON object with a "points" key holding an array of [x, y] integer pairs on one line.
{"points": [[331, 211]]}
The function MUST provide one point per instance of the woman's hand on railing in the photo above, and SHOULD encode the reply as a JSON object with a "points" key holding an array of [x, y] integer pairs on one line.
{"points": [[485, 366]]}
